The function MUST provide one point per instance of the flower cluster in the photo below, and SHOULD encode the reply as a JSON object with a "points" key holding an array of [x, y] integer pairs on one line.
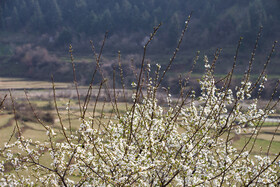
{"points": [[151, 145]]}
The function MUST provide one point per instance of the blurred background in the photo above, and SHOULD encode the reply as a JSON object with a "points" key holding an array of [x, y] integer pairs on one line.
{"points": [[35, 35]]}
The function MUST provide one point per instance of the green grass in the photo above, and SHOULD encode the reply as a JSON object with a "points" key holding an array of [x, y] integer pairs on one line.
{"points": [[260, 147], [78, 59], [6, 134], [268, 124], [4, 119]]}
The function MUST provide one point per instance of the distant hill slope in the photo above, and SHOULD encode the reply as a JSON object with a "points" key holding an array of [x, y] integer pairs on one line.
{"points": [[43, 30], [215, 22]]}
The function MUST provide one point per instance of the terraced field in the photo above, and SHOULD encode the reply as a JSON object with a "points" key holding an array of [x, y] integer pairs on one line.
{"points": [[41, 96]]}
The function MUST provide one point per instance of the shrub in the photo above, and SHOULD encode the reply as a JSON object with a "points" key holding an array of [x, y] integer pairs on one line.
{"points": [[184, 141]]}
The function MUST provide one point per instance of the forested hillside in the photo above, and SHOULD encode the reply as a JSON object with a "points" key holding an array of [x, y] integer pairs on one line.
{"points": [[35, 34], [213, 21]]}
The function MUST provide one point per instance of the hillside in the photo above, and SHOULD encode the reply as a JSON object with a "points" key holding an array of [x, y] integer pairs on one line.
{"points": [[35, 35], [214, 23]]}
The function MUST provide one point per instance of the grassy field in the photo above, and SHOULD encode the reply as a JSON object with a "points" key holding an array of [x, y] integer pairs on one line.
{"points": [[41, 96], [20, 83]]}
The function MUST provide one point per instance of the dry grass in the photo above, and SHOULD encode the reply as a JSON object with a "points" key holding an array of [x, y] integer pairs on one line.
{"points": [[19, 83]]}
